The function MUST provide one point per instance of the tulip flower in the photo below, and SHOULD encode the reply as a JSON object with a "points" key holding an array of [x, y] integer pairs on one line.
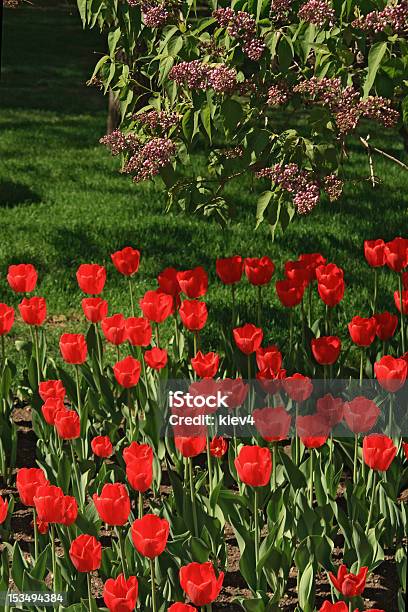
{"points": [[156, 358], [235, 390], [33, 312], [299, 272], [149, 535], [386, 325], [102, 446], [27, 482], [193, 283], [193, 314], [138, 331], [396, 258], [269, 357], [73, 348], [339, 606], [3, 510], [326, 349], [181, 607], [126, 262], [139, 469], [199, 582], [6, 319], [91, 278], [347, 584], [218, 447], [405, 449], [50, 409], [22, 278], [127, 372], [86, 556], [119, 594], [114, 329], [259, 272], [374, 251], [248, 339], [67, 424], [95, 309], [205, 365], [156, 306], [51, 389], [331, 409], [168, 282], [273, 424], [290, 292], [229, 271], [361, 415]]}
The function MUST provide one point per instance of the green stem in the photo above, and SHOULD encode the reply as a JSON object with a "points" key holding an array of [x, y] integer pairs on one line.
{"points": [[297, 440], [259, 305], [157, 334], [176, 329], [290, 334], [35, 535], [370, 514], [81, 418], [153, 579], [390, 416], [274, 458], [249, 383], [88, 580], [375, 290], [78, 484], [355, 458], [311, 473], [53, 556], [37, 354], [310, 294], [3, 353], [256, 527], [361, 365], [210, 476], [131, 415], [140, 510], [233, 305], [132, 305], [195, 343], [98, 345], [122, 551], [192, 495], [402, 314]]}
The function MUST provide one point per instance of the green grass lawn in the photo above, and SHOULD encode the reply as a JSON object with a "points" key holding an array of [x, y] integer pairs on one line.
{"points": [[63, 202]]}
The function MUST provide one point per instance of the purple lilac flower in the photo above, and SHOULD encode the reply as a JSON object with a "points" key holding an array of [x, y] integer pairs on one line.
{"points": [[317, 12], [393, 16], [150, 157], [242, 26], [197, 75]]}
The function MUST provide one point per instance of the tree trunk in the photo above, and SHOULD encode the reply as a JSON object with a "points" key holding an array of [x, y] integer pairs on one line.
{"points": [[113, 113]]}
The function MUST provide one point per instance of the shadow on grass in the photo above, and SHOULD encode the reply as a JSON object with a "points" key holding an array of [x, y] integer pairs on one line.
{"points": [[13, 194]]}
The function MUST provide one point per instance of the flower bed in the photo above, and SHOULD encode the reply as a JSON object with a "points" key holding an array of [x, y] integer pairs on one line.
{"points": [[159, 463]]}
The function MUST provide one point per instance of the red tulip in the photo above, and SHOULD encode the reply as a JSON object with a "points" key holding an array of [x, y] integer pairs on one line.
{"points": [[298, 272], [254, 465], [138, 331], [397, 301], [347, 584], [396, 254], [150, 534], [270, 380], [70, 510], [199, 582], [361, 414], [298, 387], [327, 271], [139, 466], [405, 449], [229, 270], [374, 251], [379, 452], [120, 594], [50, 409], [190, 446], [313, 430], [67, 424], [391, 373], [218, 446], [114, 329], [126, 261], [362, 331], [273, 424], [312, 261], [127, 372], [6, 319], [49, 503], [236, 391], [181, 607], [156, 358], [290, 292], [113, 504], [22, 278], [193, 283], [331, 291], [326, 349], [404, 278], [33, 310], [95, 309], [168, 282], [54, 389], [259, 271], [248, 338], [339, 606], [269, 357], [73, 348], [331, 409], [3, 510], [27, 482], [156, 306], [86, 553], [193, 314], [102, 446], [42, 526], [91, 278], [386, 325], [205, 365]]}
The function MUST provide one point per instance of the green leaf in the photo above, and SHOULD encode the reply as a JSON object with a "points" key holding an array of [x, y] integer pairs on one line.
{"points": [[375, 56], [306, 589], [261, 206]]}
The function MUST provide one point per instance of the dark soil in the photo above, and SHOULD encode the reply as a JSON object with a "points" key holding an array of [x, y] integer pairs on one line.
{"points": [[381, 590]]}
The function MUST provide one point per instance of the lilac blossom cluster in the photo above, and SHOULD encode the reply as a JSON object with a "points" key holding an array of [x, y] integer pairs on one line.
{"points": [[317, 12], [233, 153], [157, 120], [333, 186], [280, 9], [10, 3], [278, 94], [242, 26], [155, 16], [393, 16], [296, 181], [198, 75], [118, 142], [346, 104], [150, 158]]}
